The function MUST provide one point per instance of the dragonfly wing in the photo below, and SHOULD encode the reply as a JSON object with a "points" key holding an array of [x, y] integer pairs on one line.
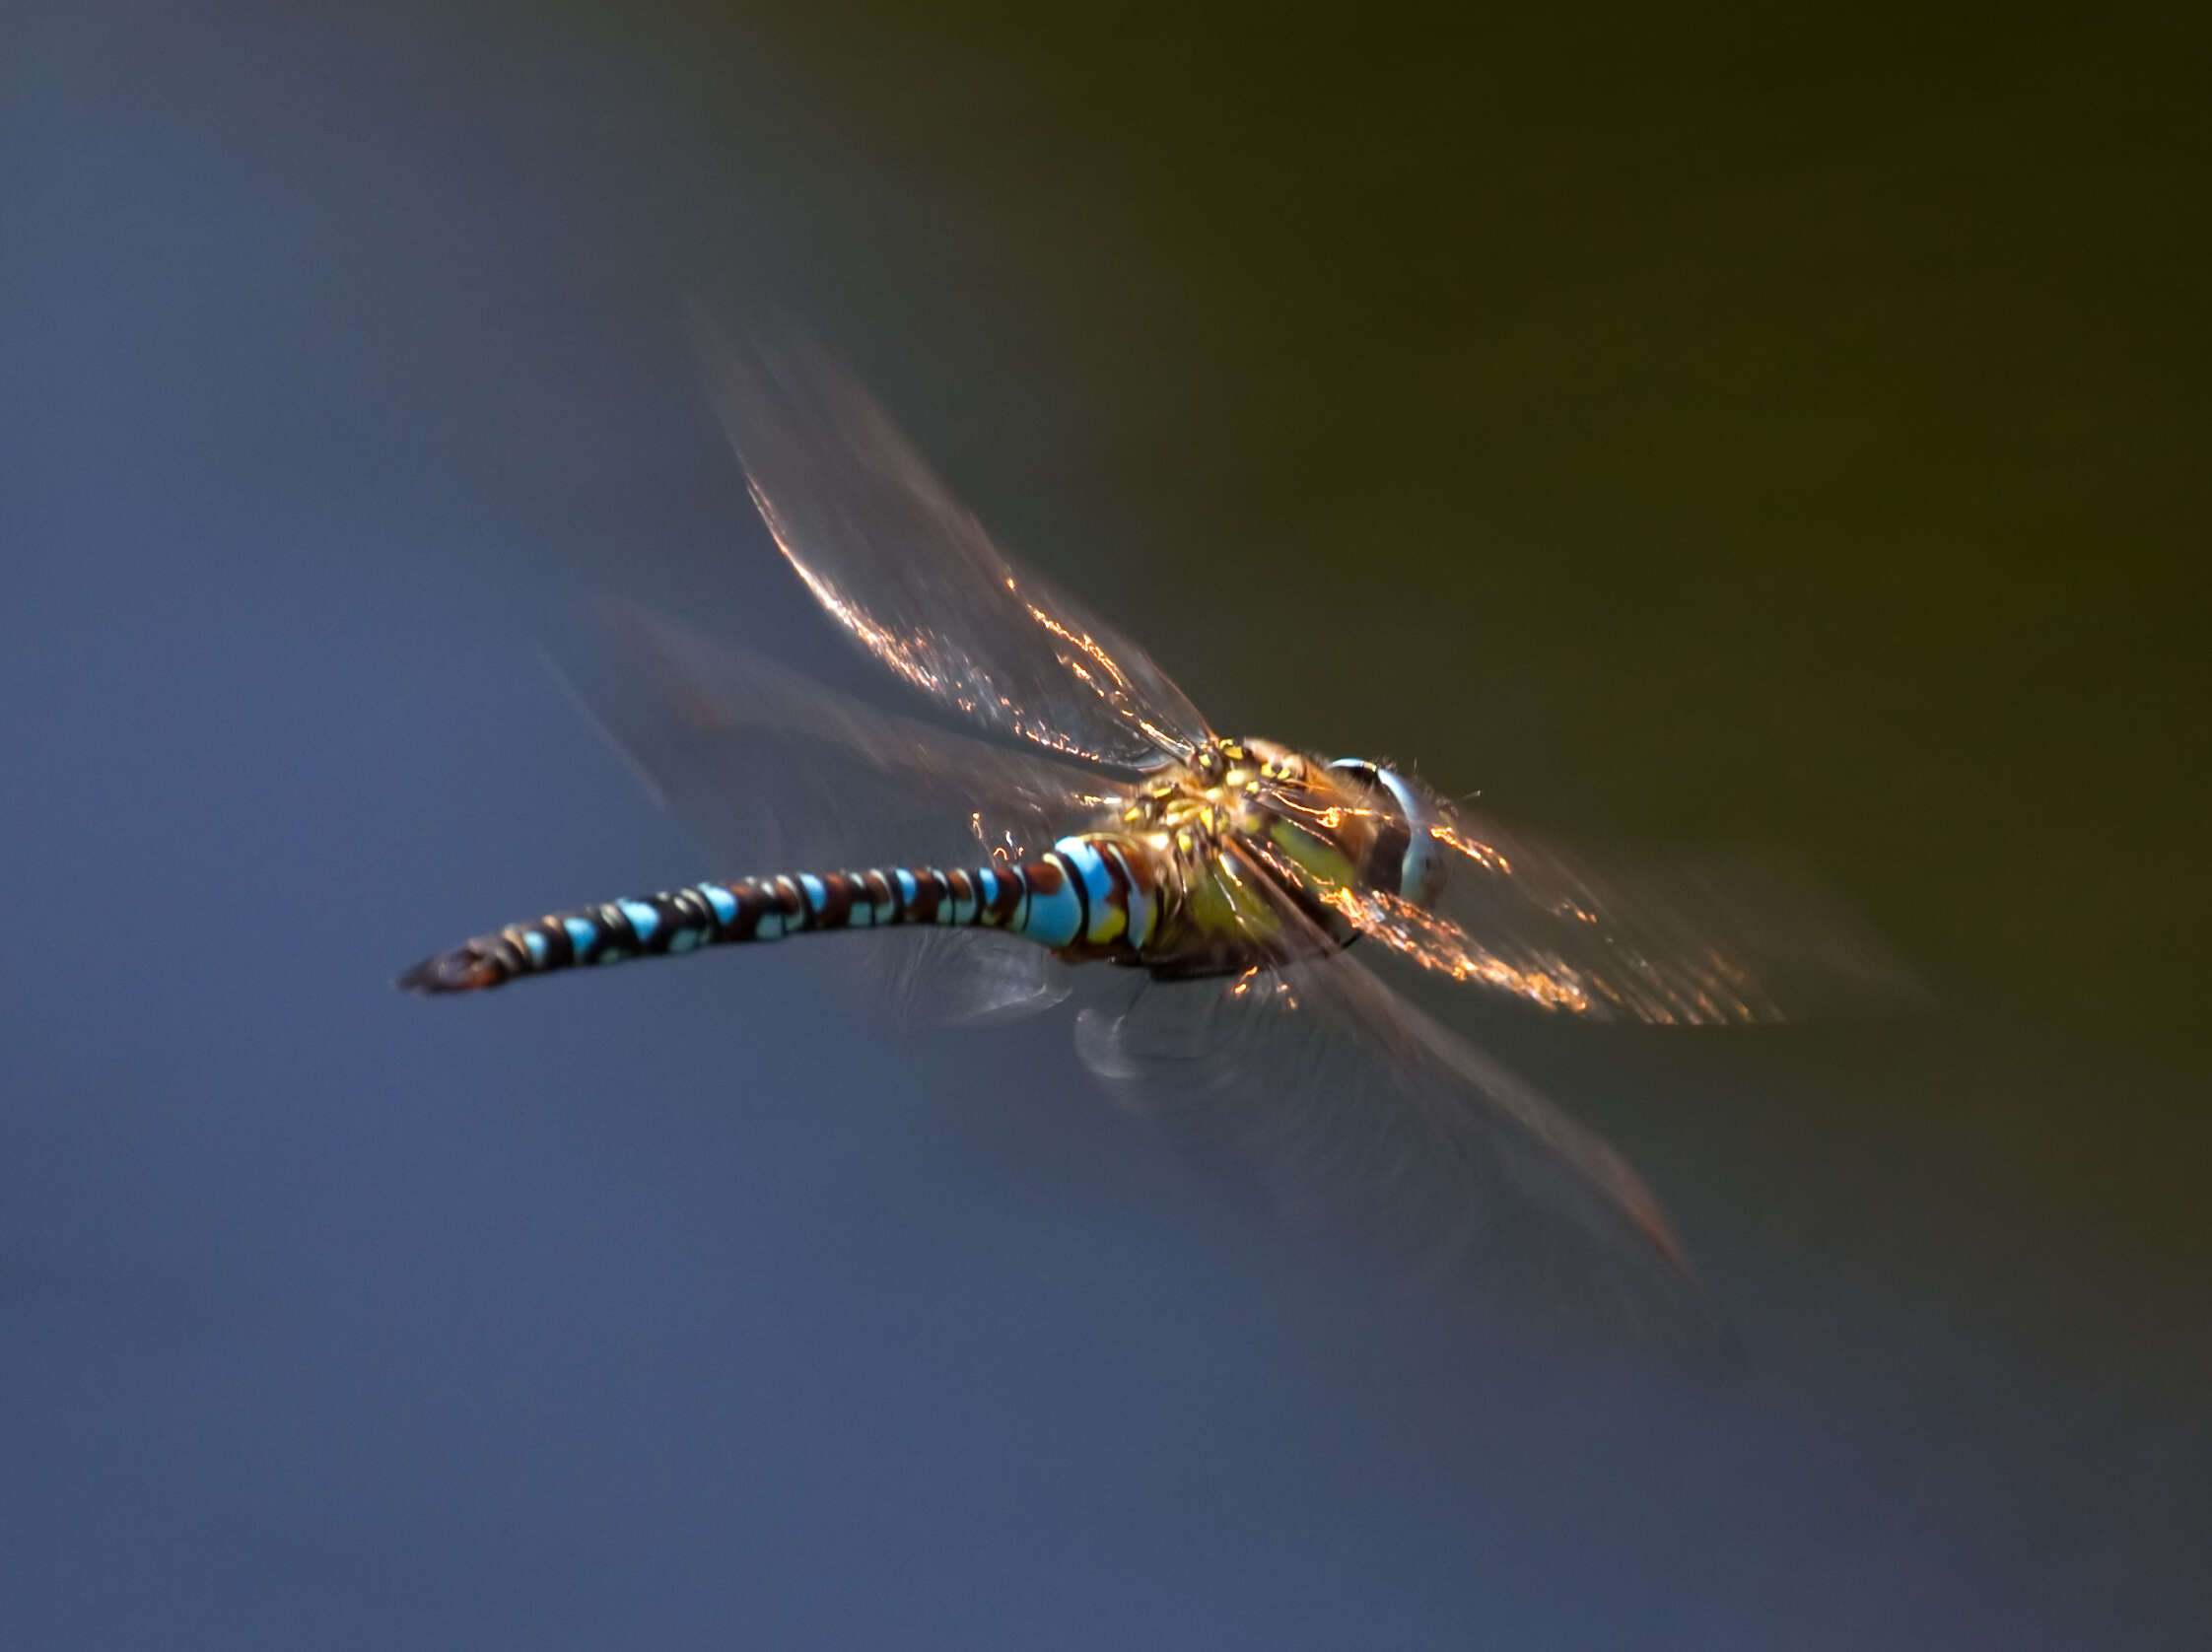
{"points": [[777, 773], [1352, 1111], [901, 564], [967, 978], [1697, 939]]}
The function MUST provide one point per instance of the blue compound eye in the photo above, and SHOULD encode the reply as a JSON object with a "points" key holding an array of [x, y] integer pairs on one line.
{"points": [[1420, 874]]}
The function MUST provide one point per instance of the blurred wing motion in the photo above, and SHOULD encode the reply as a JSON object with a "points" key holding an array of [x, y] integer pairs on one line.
{"points": [[1697, 940], [967, 978], [1352, 1112], [763, 764], [765, 767], [912, 576]]}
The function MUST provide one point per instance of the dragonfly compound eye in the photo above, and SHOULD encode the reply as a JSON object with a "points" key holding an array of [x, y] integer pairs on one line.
{"points": [[1420, 871]]}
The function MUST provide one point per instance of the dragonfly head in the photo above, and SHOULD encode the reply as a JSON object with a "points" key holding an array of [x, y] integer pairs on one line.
{"points": [[1410, 809]]}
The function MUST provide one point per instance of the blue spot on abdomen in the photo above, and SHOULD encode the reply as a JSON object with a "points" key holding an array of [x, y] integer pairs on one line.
{"points": [[1053, 919]]}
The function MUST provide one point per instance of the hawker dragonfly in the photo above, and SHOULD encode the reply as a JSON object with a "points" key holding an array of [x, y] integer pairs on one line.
{"points": [[1087, 814]]}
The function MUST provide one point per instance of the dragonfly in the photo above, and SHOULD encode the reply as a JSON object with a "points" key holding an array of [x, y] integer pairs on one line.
{"points": [[1062, 805]]}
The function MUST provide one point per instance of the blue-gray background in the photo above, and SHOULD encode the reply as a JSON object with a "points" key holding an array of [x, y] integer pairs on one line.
{"points": [[1709, 424]]}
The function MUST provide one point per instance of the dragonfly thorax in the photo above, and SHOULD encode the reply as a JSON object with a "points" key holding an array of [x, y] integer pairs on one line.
{"points": [[1223, 789], [1340, 825]]}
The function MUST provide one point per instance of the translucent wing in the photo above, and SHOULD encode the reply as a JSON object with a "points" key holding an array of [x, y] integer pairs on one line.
{"points": [[912, 576], [965, 978], [1693, 940], [1352, 1111], [772, 772], [1705, 939]]}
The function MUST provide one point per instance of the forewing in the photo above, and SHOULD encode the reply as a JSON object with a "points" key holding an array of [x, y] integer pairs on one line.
{"points": [[1699, 940], [901, 564], [1352, 1111]]}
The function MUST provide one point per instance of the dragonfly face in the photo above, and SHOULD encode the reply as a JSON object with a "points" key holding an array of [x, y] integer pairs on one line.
{"points": [[1422, 868]]}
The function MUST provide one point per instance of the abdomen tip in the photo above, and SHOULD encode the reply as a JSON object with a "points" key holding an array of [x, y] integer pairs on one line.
{"points": [[465, 969]]}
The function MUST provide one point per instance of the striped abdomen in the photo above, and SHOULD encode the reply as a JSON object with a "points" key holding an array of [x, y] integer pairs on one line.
{"points": [[1095, 896]]}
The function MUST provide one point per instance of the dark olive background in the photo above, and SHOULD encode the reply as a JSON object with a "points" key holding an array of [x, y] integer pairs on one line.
{"points": [[1749, 425]]}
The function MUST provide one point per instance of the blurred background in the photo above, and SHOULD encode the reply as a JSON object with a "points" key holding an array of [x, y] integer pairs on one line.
{"points": [[1773, 426]]}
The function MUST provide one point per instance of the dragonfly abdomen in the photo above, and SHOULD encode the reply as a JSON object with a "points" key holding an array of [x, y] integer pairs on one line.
{"points": [[1085, 898]]}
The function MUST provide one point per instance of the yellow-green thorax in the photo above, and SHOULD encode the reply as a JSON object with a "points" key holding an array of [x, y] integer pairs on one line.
{"points": [[1305, 828]]}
